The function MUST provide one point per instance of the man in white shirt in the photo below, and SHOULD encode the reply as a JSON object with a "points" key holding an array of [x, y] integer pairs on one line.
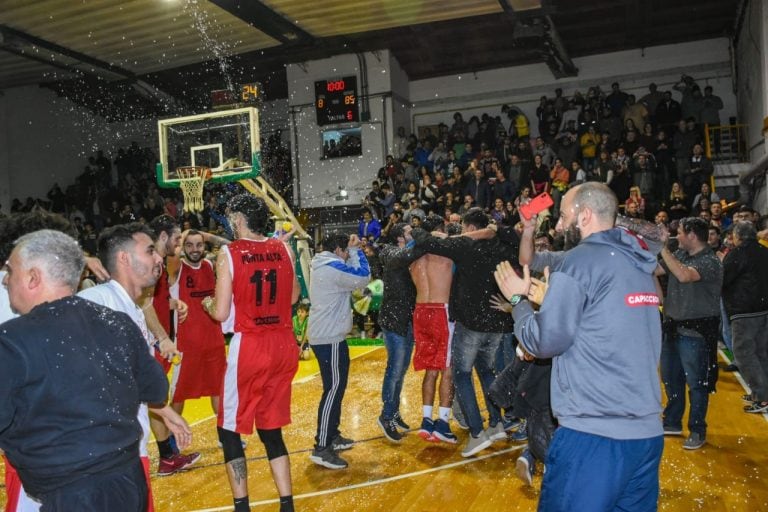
{"points": [[128, 253]]}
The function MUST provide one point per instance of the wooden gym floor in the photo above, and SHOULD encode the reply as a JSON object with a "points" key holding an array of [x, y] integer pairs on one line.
{"points": [[729, 474]]}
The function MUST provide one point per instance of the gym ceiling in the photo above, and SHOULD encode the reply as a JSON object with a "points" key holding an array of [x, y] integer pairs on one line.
{"points": [[136, 58]]}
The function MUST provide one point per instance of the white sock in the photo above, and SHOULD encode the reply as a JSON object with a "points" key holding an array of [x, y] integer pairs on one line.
{"points": [[426, 411], [445, 413]]}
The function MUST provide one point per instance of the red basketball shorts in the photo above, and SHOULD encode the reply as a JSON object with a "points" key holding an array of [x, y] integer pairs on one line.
{"points": [[432, 333], [257, 382]]}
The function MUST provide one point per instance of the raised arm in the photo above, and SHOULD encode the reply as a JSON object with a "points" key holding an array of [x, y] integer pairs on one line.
{"points": [[219, 306]]}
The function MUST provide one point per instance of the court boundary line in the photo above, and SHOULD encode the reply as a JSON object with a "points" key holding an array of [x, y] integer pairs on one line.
{"points": [[371, 483]]}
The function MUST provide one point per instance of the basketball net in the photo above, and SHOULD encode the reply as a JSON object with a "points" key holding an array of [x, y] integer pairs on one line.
{"points": [[192, 183]]}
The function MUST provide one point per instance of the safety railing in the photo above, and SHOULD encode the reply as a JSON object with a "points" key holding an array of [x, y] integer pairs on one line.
{"points": [[726, 143]]}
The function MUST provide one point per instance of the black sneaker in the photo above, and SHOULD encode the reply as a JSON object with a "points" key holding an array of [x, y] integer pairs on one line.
{"points": [[389, 427], [402, 425], [341, 443], [328, 458], [748, 398]]}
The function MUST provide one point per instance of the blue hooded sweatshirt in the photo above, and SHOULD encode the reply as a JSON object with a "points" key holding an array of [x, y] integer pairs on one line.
{"points": [[600, 323]]}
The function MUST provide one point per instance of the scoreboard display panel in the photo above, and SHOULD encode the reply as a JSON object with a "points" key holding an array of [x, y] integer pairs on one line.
{"points": [[336, 101]]}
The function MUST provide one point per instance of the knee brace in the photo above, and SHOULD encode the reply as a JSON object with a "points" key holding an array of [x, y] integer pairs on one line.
{"points": [[273, 442], [231, 443]]}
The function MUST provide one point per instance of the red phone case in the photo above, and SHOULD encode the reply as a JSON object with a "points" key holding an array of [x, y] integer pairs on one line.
{"points": [[537, 205]]}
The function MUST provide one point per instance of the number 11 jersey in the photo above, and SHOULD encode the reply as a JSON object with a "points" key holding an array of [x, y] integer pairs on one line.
{"points": [[262, 284]]}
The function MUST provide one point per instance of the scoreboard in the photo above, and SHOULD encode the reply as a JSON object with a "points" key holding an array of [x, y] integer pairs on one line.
{"points": [[336, 101]]}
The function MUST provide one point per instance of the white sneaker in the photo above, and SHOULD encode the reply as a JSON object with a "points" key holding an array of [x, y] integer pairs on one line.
{"points": [[476, 444], [496, 432]]}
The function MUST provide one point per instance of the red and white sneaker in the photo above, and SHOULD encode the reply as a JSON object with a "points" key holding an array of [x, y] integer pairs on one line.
{"points": [[178, 462]]}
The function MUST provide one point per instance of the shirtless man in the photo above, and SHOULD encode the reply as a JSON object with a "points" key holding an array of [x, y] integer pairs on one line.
{"points": [[432, 332]]}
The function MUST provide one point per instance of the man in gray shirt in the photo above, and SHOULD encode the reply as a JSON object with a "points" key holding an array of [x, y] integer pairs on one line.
{"points": [[691, 311]]}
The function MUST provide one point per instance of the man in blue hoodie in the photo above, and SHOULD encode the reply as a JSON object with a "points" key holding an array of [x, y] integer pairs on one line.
{"points": [[599, 321], [337, 270]]}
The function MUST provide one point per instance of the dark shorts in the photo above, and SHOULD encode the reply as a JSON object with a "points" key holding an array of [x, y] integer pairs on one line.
{"points": [[124, 489]]}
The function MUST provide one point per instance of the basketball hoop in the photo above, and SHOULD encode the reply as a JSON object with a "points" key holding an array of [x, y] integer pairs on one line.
{"points": [[191, 183]]}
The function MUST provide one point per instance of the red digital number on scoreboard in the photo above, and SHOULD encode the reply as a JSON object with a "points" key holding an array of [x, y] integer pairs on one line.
{"points": [[338, 85]]}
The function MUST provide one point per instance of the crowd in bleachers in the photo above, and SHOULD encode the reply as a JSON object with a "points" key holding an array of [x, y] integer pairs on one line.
{"points": [[650, 151]]}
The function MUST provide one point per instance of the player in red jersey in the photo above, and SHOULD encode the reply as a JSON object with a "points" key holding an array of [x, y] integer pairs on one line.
{"points": [[255, 276], [200, 339], [158, 307]]}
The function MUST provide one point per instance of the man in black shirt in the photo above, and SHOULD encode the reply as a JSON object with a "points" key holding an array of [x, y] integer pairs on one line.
{"points": [[479, 328], [73, 441]]}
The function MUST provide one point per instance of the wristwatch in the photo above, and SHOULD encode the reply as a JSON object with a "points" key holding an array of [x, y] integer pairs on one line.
{"points": [[515, 300]]}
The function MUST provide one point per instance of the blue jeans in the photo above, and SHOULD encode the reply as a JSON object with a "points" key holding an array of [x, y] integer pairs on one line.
{"points": [[472, 349], [399, 349], [333, 360], [600, 474], [684, 361]]}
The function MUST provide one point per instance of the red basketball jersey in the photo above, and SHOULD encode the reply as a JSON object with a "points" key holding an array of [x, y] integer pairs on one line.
{"points": [[161, 301], [194, 284], [262, 284]]}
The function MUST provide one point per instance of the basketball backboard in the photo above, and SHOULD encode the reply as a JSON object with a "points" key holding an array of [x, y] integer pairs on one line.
{"points": [[226, 141]]}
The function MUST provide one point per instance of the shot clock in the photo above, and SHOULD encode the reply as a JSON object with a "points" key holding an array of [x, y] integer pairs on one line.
{"points": [[246, 94], [336, 101]]}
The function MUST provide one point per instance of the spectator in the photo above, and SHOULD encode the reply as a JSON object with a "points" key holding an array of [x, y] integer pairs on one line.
{"points": [[745, 297], [664, 164], [699, 171], [428, 192], [540, 179], [368, 228], [545, 152], [413, 211], [668, 113], [635, 111], [604, 168], [499, 213], [647, 139], [588, 143], [691, 318], [578, 174], [677, 206], [560, 177], [479, 189], [338, 269], [710, 115], [653, 99], [717, 218], [706, 193], [616, 100], [607, 407], [682, 143], [502, 188], [644, 174], [635, 204]]}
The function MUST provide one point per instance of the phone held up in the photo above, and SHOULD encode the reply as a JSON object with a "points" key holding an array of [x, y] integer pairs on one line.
{"points": [[537, 205]]}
